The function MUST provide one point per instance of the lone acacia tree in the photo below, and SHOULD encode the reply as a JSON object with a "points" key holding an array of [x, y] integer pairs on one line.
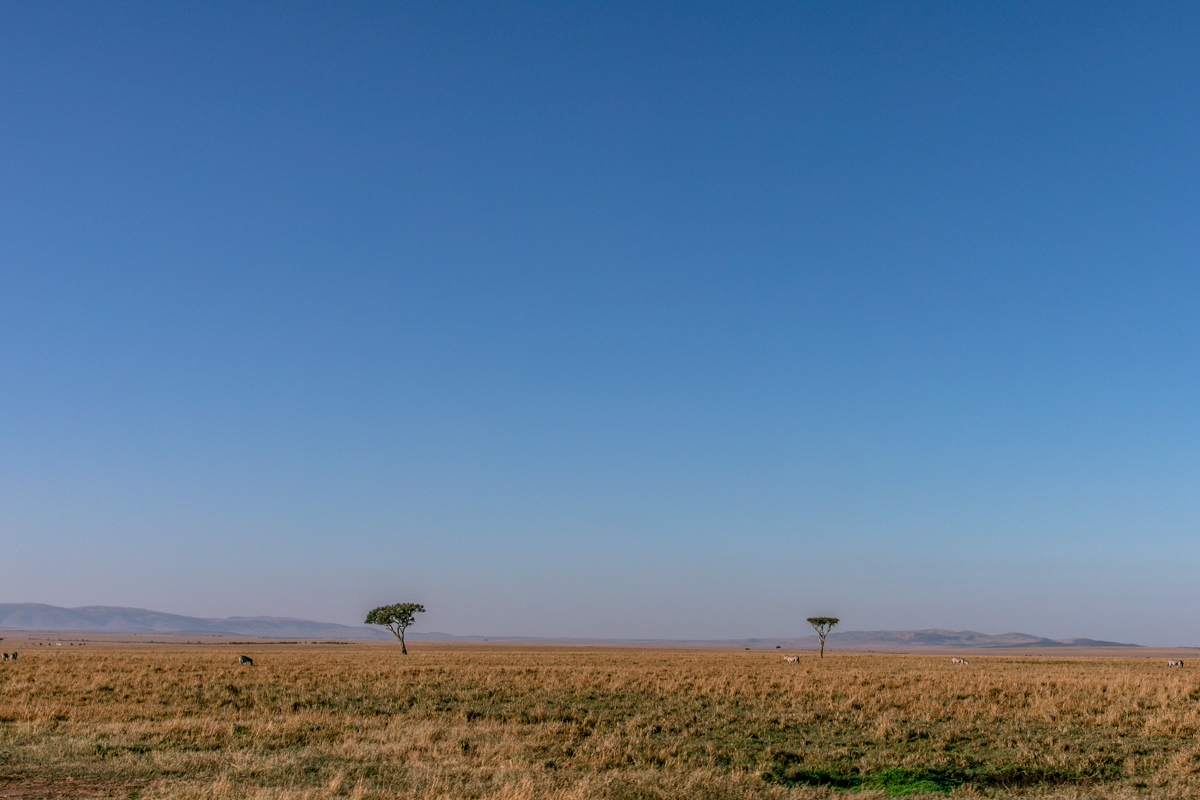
{"points": [[397, 618], [823, 625]]}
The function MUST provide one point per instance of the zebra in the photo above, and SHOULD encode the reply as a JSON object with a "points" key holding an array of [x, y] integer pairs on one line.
{"points": [[957, 660], [792, 659], [6, 656], [1174, 663], [12, 656], [246, 660]]}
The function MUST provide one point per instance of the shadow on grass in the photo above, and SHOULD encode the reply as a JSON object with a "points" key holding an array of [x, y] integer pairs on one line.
{"points": [[1011, 777], [787, 770], [812, 777]]}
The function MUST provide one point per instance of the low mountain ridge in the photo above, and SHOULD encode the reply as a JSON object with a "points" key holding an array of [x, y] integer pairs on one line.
{"points": [[937, 637], [851, 640], [110, 619]]}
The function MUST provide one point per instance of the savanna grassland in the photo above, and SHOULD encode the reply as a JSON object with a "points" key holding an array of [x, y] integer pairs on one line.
{"points": [[555, 722]]}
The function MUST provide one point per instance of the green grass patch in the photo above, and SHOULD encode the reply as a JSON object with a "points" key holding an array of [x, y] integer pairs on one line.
{"points": [[901, 782], [895, 782]]}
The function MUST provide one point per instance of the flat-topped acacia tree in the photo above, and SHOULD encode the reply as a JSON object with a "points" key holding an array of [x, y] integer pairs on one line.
{"points": [[396, 617], [823, 625]]}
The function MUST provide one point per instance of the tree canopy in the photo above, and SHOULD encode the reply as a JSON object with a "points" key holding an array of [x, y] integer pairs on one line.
{"points": [[396, 617]]}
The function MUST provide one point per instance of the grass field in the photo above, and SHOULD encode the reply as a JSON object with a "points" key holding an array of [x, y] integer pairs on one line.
{"points": [[550, 722]]}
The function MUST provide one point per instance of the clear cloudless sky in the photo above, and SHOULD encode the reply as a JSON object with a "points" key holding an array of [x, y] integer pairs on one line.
{"points": [[621, 320]]}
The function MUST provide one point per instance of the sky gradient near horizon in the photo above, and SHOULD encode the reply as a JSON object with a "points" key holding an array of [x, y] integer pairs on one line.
{"points": [[663, 320]]}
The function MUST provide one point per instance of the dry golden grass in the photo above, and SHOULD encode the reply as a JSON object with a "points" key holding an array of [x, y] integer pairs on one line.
{"points": [[510, 723]]}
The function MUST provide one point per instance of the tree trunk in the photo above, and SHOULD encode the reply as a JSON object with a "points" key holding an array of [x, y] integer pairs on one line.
{"points": [[398, 632], [822, 638]]}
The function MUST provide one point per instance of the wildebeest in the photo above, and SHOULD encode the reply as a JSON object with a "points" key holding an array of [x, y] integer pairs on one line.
{"points": [[1174, 663], [957, 660], [6, 656], [792, 659], [246, 660]]}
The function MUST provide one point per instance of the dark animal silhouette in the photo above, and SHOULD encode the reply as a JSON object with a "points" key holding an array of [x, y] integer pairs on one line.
{"points": [[246, 660]]}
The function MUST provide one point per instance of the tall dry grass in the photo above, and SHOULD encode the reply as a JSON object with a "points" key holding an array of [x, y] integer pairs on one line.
{"points": [[590, 723]]}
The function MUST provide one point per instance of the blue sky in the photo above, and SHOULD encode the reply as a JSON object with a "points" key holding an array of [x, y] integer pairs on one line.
{"points": [[670, 320]]}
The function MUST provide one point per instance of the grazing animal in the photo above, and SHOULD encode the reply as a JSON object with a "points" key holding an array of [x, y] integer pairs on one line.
{"points": [[246, 660], [957, 660], [6, 656], [792, 659], [13, 656], [1174, 663]]}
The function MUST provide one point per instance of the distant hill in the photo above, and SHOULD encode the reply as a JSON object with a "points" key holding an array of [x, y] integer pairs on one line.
{"points": [[107, 619], [852, 640], [936, 637]]}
